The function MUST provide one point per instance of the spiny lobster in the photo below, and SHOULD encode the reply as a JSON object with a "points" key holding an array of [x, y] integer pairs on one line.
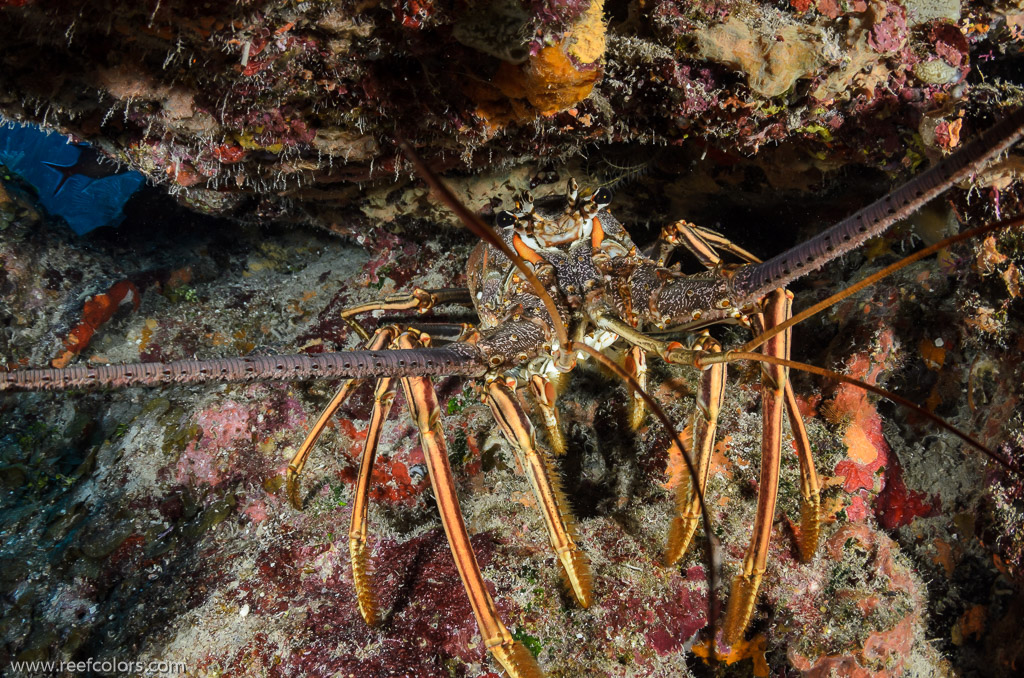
{"points": [[558, 284]]}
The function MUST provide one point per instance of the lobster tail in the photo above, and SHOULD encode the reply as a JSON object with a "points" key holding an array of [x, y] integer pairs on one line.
{"points": [[455, 359], [754, 281]]}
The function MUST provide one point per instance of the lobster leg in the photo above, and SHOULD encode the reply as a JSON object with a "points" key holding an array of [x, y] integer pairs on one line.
{"points": [[705, 422], [383, 398], [699, 239], [514, 658], [381, 338], [810, 497], [636, 364], [702, 242], [544, 393], [777, 308], [418, 300], [443, 333], [547, 488]]}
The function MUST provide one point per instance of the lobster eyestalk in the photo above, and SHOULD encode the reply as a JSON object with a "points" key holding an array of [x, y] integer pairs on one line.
{"points": [[458, 359], [754, 281]]}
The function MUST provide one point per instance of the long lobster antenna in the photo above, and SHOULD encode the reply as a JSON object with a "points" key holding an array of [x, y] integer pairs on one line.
{"points": [[730, 356], [879, 275], [756, 280], [454, 359]]}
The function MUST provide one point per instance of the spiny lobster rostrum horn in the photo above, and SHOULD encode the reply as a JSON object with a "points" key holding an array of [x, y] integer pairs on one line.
{"points": [[561, 281]]}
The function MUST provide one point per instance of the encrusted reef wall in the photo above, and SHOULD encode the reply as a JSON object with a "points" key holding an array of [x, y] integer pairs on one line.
{"points": [[152, 525], [279, 109]]}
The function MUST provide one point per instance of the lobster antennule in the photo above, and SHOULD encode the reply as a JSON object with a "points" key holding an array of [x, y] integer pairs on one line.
{"points": [[459, 359], [756, 280]]}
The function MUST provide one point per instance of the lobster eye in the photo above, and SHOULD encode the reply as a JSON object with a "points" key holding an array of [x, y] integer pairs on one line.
{"points": [[602, 197], [505, 219]]}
